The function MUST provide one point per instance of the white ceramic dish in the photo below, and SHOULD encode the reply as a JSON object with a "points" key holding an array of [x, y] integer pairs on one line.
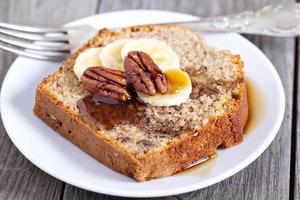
{"points": [[58, 157]]}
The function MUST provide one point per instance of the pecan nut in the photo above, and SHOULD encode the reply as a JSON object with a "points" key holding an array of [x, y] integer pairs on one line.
{"points": [[144, 74], [106, 85]]}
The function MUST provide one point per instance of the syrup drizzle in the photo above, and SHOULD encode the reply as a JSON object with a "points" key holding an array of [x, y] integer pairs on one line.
{"points": [[256, 112], [256, 106]]}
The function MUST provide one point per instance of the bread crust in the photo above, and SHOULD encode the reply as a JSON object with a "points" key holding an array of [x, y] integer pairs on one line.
{"points": [[225, 130]]}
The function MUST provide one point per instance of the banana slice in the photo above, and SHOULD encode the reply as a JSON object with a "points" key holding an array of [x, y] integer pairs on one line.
{"points": [[179, 90], [86, 59], [110, 56], [162, 54]]}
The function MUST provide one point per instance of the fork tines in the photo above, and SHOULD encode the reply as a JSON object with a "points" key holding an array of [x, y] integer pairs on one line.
{"points": [[34, 42]]}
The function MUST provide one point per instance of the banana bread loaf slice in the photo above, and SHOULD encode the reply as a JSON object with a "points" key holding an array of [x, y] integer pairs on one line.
{"points": [[149, 142]]}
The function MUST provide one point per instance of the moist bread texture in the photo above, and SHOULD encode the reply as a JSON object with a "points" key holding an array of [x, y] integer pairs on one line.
{"points": [[162, 140]]}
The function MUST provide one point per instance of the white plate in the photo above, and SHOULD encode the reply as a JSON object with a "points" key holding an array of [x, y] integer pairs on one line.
{"points": [[58, 157]]}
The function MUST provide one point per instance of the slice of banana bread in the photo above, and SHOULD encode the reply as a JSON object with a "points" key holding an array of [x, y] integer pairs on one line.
{"points": [[162, 140]]}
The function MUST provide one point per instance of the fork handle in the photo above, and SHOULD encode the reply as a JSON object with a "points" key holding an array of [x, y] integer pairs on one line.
{"points": [[272, 20]]}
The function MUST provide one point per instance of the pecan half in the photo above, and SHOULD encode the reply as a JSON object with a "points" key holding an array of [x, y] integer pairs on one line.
{"points": [[144, 74], [106, 85]]}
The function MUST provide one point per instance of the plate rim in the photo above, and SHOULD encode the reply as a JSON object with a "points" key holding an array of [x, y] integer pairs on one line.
{"points": [[188, 188]]}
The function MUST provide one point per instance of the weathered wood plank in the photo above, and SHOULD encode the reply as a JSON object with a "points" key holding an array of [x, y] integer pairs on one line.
{"points": [[75, 193], [297, 132], [19, 178], [268, 176], [200, 8]]}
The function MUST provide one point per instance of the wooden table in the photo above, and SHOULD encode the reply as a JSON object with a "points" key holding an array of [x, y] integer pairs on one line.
{"points": [[274, 175]]}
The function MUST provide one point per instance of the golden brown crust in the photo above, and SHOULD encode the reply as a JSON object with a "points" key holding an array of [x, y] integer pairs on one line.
{"points": [[226, 130], [80, 134]]}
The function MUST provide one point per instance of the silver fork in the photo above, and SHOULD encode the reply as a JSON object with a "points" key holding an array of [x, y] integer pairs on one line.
{"points": [[55, 44]]}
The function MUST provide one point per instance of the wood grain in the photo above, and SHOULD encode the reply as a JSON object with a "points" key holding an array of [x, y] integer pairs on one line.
{"points": [[75, 193], [202, 8], [19, 178], [296, 137], [268, 176]]}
